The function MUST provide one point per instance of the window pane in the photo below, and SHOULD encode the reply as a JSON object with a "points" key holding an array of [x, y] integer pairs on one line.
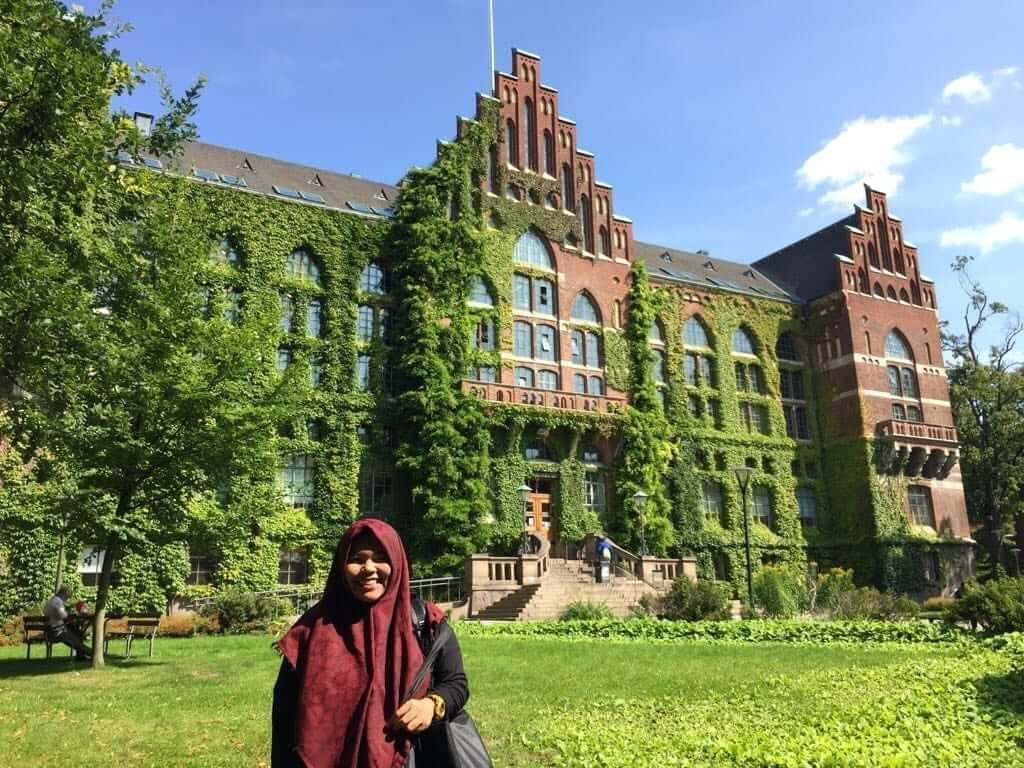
{"points": [[807, 505], [487, 374], [756, 378], [544, 292], [232, 302], [803, 431], [899, 412], [363, 372], [530, 249], [364, 323], [596, 386], [521, 292], [741, 377], [785, 348], [914, 413], [284, 358], [741, 342], [896, 346], [579, 384], [707, 375], [313, 319], [654, 334], [545, 342], [287, 312], [894, 381], [576, 343], [658, 366], [695, 406], [593, 350], [522, 339], [583, 309], [920, 499], [547, 380], [484, 337], [372, 280], [909, 381], [524, 377], [713, 506], [694, 334], [789, 412], [690, 369], [479, 293], [762, 509]]}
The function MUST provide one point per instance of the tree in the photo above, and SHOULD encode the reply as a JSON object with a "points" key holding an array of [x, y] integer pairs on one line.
{"points": [[152, 391], [987, 394]]}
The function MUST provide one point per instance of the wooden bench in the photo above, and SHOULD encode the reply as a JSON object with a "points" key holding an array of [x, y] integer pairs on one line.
{"points": [[137, 626], [35, 632]]}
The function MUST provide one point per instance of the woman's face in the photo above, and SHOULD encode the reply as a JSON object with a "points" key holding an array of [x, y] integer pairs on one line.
{"points": [[368, 570]]}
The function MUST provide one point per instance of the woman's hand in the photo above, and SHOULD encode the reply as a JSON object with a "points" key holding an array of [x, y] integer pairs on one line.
{"points": [[415, 716]]}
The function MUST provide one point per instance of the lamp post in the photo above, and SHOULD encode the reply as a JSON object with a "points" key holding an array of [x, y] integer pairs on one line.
{"points": [[639, 502], [525, 492], [743, 475]]}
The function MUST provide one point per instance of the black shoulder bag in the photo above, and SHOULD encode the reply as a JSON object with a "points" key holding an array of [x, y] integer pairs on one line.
{"points": [[465, 746]]}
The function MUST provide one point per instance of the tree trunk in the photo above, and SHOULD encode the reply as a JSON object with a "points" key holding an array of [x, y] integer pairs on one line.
{"points": [[110, 553], [59, 578]]}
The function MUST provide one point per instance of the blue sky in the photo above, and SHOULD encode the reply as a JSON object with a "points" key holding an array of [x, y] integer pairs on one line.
{"points": [[737, 127]]}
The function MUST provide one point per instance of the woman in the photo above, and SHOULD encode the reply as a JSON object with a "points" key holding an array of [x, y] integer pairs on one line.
{"points": [[348, 661]]}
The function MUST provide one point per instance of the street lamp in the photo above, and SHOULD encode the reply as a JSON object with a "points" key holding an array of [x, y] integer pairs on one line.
{"points": [[525, 492], [743, 475], [639, 502]]}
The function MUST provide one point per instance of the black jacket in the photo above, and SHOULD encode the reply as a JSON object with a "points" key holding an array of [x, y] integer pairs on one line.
{"points": [[447, 679]]}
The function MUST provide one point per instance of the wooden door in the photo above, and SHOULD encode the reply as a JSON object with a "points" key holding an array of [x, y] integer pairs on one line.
{"points": [[538, 516]]}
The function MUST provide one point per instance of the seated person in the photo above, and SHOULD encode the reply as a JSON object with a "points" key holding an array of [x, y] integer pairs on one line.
{"points": [[57, 627]]}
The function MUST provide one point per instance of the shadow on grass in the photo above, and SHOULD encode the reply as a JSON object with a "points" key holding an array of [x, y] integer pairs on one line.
{"points": [[37, 667], [1002, 692]]}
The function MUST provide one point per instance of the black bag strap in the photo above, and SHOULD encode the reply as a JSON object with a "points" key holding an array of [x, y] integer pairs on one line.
{"points": [[444, 632]]}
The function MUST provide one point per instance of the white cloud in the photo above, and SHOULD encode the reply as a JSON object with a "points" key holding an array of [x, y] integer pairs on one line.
{"points": [[1002, 172], [970, 87], [1007, 229], [1006, 71], [954, 120], [806, 211], [865, 151]]}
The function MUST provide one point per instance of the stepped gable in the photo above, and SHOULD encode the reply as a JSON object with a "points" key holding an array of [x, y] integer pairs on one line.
{"points": [[537, 139], [702, 269], [266, 175]]}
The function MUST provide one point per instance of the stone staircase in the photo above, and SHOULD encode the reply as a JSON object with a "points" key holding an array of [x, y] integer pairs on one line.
{"points": [[566, 581]]}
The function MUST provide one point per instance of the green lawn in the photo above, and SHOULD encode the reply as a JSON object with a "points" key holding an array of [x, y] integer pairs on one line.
{"points": [[206, 702]]}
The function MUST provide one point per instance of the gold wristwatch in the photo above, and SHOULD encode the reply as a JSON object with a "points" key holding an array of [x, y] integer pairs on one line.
{"points": [[438, 705]]}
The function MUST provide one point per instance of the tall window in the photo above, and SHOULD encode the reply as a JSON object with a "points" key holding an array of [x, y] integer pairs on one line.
{"points": [[595, 493], [524, 377], [546, 343], [754, 417], [785, 348], [511, 143], [363, 372], [284, 358], [373, 279], [658, 366], [549, 153], [919, 498], [902, 376], [296, 480], [588, 224], [896, 347], [530, 249], [762, 511], [543, 296], [794, 400], [584, 310], [603, 243], [522, 339], [232, 305], [364, 323], [714, 507], [484, 338], [287, 313], [530, 126], [302, 265], [200, 568], [316, 372], [547, 380], [694, 333], [749, 378], [807, 506], [225, 253], [313, 316], [568, 188]]}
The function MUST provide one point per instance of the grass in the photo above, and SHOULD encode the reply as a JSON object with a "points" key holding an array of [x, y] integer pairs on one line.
{"points": [[206, 701]]}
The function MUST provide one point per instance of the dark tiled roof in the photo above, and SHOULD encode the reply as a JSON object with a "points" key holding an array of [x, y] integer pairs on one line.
{"points": [[807, 267], [708, 271], [266, 175]]}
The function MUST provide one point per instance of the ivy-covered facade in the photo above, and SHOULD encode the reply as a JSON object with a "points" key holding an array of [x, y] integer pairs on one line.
{"points": [[492, 322]]}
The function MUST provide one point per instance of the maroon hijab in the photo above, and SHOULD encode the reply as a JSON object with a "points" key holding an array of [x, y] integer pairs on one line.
{"points": [[354, 663]]}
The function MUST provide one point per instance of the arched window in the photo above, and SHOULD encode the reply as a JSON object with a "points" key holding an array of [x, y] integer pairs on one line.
{"points": [[511, 142], [547, 380], [915, 292], [530, 126], [694, 333], [742, 343], [302, 265], [583, 309], [596, 385], [785, 348], [524, 378], [373, 279], [654, 334], [873, 256], [896, 346], [862, 281], [479, 294], [878, 291], [603, 243], [890, 292], [904, 296], [579, 384], [530, 249], [549, 153], [588, 224], [898, 259], [568, 189]]}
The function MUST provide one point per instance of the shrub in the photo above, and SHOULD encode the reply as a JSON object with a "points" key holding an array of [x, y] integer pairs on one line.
{"points": [[695, 601], [933, 604], [178, 625], [12, 631], [869, 603], [996, 606], [584, 610], [831, 585], [648, 607], [238, 612], [780, 591]]}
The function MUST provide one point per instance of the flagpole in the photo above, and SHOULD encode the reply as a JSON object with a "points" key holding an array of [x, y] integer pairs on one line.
{"points": [[490, 75]]}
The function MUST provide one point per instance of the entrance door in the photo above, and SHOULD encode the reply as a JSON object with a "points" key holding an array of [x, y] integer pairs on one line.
{"points": [[538, 511]]}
